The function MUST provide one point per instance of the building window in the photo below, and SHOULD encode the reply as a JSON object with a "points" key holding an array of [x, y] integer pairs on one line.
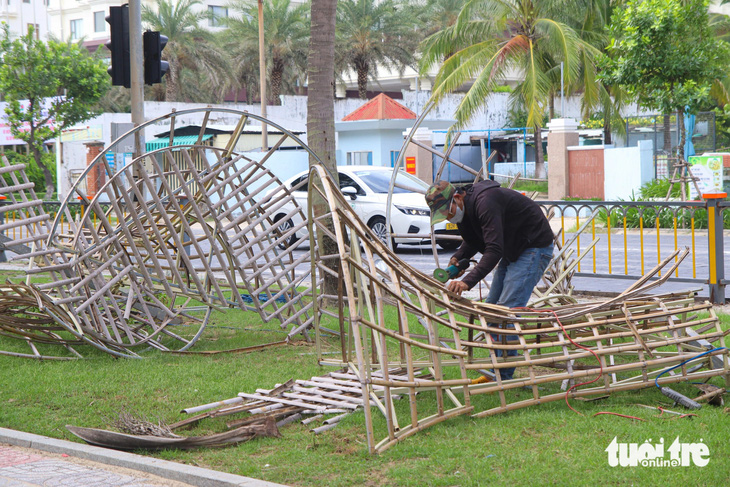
{"points": [[76, 29], [35, 28], [393, 157], [99, 21], [216, 13], [360, 158]]}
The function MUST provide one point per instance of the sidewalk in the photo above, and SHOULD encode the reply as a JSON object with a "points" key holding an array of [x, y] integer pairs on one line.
{"points": [[30, 460]]}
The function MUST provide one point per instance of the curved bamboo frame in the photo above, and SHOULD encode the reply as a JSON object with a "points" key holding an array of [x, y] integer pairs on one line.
{"points": [[402, 333], [188, 230], [399, 319]]}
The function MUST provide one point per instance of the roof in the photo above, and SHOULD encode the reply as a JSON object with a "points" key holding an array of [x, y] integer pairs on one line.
{"points": [[194, 129], [179, 140], [382, 107]]}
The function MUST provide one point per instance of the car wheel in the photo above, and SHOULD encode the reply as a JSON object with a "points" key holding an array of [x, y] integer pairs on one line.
{"points": [[282, 228], [448, 244], [377, 225]]}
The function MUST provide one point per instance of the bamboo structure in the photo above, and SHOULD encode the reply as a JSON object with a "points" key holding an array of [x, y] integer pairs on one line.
{"points": [[189, 231], [396, 317]]}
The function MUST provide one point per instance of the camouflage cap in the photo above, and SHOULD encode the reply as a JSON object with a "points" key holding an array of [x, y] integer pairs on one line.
{"points": [[439, 197]]}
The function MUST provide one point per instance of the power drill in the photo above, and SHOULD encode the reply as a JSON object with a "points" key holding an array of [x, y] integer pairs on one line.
{"points": [[443, 275]]}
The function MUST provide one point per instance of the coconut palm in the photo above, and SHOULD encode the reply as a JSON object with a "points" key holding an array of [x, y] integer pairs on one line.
{"points": [[189, 47], [372, 34], [437, 15], [494, 37], [286, 39]]}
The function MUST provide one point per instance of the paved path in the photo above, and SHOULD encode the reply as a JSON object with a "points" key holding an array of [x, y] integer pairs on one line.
{"points": [[32, 460]]}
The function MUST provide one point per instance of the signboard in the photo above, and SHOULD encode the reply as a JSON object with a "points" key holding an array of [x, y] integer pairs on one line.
{"points": [[708, 171], [6, 138], [82, 135], [411, 165], [111, 161]]}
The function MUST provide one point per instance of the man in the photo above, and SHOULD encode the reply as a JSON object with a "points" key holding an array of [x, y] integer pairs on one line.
{"points": [[508, 229]]}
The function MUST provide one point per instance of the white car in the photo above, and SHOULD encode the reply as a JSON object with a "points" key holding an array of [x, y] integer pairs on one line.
{"points": [[367, 188]]}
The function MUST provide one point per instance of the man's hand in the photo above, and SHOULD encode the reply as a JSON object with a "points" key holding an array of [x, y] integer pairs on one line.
{"points": [[455, 262], [457, 287]]}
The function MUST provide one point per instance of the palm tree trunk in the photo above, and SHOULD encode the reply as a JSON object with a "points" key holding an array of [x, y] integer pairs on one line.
{"points": [[607, 128], [321, 107], [362, 79], [539, 154], [276, 74], [171, 83]]}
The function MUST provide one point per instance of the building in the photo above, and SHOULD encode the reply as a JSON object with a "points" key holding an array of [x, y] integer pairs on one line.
{"points": [[373, 133], [86, 19], [20, 15]]}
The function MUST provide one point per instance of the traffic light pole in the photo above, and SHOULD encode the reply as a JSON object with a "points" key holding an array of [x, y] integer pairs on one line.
{"points": [[136, 72]]}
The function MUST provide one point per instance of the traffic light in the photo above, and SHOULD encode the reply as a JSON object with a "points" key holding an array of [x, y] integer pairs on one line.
{"points": [[154, 67], [118, 44]]}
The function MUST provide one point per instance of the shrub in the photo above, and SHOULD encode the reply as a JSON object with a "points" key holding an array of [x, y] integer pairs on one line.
{"points": [[649, 192]]}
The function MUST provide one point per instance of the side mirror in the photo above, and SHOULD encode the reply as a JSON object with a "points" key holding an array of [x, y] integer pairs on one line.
{"points": [[349, 191]]}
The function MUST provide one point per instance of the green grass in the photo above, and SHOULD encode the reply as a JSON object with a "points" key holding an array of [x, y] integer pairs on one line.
{"points": [[530, 186], [546, 444]]}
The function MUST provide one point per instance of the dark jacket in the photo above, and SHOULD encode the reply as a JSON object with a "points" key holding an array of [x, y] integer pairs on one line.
{"points": [[499, 223]]}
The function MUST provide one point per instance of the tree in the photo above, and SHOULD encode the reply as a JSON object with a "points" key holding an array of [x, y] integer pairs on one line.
{"points": [[48, 88], [371, 34], [600, 99], [189, 47], [665, 55], [286, 36], [438, 15], [321, 102], [492, 38]]}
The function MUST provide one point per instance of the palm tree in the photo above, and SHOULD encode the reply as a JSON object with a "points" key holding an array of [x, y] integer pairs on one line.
{"points": [[286, 38], [371, 34], [438, 15], [494, 37], [599, 97], [321, 109], [189, 47]]}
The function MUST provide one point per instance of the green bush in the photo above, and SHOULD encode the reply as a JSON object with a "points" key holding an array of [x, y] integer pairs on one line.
{"points": [[649, 192], [34, 173]]}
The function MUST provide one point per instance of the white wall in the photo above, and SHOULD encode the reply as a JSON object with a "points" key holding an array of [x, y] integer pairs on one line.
{"points": [[19, 14], [626, 169]]}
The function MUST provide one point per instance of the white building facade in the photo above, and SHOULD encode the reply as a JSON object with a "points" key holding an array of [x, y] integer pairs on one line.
{"points": [[22, 14], [85, 19]]}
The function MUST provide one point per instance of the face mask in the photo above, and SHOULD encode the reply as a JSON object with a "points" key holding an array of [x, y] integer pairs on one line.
{"points": [[458, 216]]}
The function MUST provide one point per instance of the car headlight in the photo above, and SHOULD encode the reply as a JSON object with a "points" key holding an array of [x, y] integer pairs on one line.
{"points": [[414, 211]]}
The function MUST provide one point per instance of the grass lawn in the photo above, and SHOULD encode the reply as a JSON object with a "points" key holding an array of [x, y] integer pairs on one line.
{"points": [[546, 444]]}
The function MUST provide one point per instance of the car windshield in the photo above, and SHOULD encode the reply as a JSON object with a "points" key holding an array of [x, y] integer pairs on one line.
{"points": [[379, 181]]}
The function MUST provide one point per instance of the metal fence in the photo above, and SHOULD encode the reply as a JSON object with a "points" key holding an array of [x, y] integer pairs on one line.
{"points": [[625, 239], [620, 239], [651, 127]]}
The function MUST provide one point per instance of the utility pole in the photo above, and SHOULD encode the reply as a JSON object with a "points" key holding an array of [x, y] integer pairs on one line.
{"points": [[136, 71], [262, 78]]}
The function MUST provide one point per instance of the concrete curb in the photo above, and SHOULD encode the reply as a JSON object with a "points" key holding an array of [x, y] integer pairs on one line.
{"points": [[189, 474]]}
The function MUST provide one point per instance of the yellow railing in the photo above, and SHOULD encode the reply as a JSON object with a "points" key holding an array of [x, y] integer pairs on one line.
{"points": [[647, 230]]}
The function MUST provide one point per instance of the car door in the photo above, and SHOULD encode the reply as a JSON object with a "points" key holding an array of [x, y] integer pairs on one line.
{"points": [[360, 204]]}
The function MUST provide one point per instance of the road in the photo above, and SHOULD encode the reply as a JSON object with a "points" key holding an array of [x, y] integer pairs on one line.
{"points": [[694, 266]]}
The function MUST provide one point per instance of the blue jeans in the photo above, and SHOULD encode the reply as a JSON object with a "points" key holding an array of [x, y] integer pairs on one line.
{"points": [[512, 286]]}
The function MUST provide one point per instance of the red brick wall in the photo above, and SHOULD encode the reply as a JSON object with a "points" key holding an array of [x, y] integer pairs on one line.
{"points": [[585, 173], [96, 178]]}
